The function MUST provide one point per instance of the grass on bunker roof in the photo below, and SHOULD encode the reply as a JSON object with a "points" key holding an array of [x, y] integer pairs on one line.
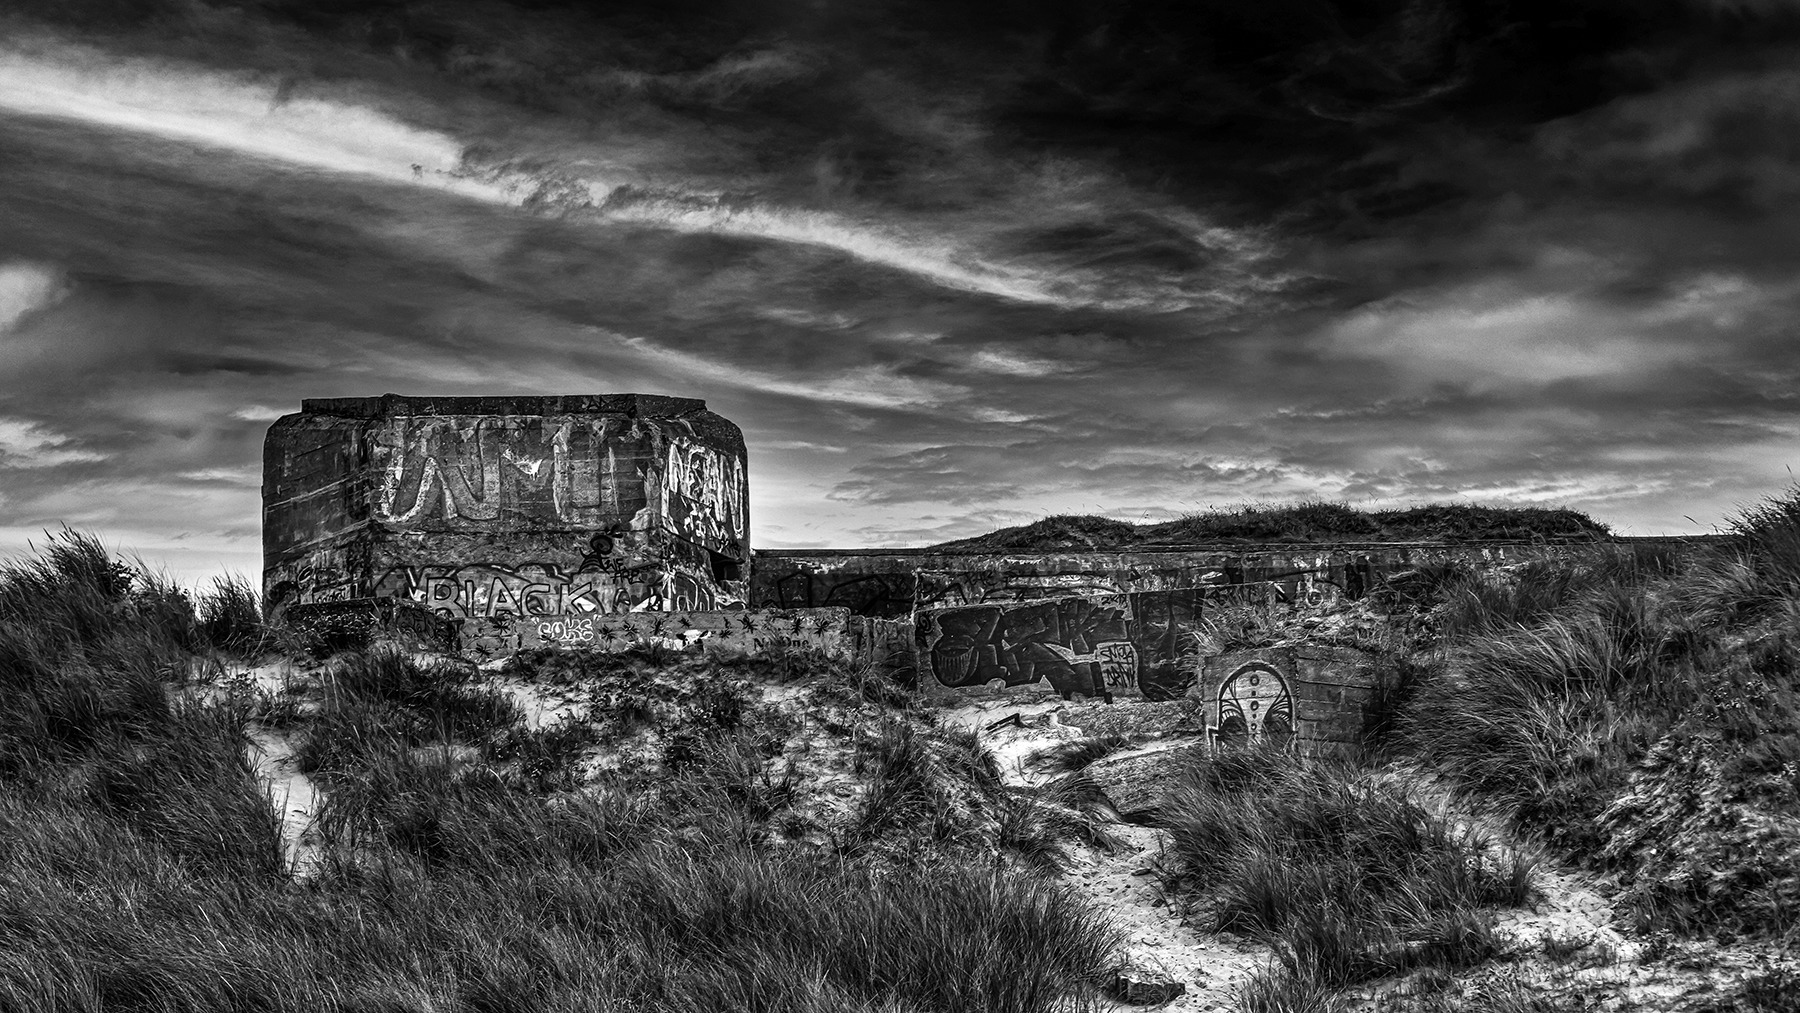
{"points": [[1305, 521]]}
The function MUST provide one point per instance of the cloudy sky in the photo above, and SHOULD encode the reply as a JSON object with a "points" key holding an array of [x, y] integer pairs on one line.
{"points": [[949, 265]]}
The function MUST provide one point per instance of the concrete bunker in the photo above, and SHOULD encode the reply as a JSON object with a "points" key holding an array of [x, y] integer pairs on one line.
{"points": [[487, 510]]}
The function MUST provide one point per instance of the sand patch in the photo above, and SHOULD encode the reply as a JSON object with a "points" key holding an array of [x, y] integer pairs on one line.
{"points": [[1124, 884], [292, 794]]}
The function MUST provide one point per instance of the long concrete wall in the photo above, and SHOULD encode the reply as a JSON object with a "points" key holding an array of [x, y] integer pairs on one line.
{"points": [[1138, 644], [748, 630], [486, 509], [894, 583]]}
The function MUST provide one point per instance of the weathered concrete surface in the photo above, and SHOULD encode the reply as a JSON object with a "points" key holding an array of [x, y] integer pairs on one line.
{"points": [[1314, 698], [894, 582], [748, 630], [888, 646], [488, 508], [1138, 644]]}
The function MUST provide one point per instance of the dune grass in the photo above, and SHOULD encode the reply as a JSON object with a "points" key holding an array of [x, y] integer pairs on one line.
{"points": [[936, 794], [142, 869], [1640, 713], [1340, 869], [382, 697]]}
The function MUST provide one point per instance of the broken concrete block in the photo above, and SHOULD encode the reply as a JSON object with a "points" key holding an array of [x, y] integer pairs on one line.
{"points": [[1135, 782]]}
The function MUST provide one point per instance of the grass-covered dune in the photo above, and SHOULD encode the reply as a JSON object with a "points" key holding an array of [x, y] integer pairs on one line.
{"points": [[142, 865], [1641, 713], [783, 833], [1311, 521]]}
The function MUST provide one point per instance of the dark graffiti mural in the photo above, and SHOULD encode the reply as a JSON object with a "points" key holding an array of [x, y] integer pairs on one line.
{"points": [[491, 590], [1314, 698], [1255, 705], [1054, 641], [1163, 627], [1091, 645]]}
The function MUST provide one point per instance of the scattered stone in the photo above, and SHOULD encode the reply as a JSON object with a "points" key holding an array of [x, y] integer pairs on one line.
{"points": [[1137, 985]]}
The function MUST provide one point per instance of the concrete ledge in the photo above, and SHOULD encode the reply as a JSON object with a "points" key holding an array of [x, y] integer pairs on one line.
{"points": [[828, 630]]}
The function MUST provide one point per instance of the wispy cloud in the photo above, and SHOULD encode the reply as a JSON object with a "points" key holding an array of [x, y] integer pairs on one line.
{"points": [[25, 444], [231, 111], [26, 288], [871, 386]]}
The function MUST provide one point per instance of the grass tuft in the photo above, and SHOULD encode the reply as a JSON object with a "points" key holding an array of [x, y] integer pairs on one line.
{"points": [[1339, 869]]}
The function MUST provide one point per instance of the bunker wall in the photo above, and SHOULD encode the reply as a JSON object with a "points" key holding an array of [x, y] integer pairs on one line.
{"points": [[894, 583], [483, 509]]}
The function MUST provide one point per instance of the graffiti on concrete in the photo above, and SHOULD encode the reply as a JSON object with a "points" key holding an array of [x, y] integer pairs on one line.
{"points": [[888, 645], [703, 494], [1092, 645], [483, 468], [321, 576], [1118, 661], [489, 590], [1255, 705], [1309, 697], [1055, 640], [1297, 588], [824, 629], [595, 472], [878, 595], [484, 508]]}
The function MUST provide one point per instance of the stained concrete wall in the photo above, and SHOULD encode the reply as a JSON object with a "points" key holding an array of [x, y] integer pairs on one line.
{"points": [[484, 509], [1312, 698], [893, 583], [1099, 646]]}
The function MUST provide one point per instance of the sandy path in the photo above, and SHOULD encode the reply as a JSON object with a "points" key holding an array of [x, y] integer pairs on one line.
{"points": [[292, 794], [1122, 884]]}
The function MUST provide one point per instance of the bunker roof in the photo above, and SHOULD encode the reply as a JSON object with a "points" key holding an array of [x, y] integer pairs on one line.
{"points": [[387, 405]]}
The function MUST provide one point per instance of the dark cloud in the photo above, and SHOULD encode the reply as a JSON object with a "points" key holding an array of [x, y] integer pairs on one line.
{"points": [[950, 265]]}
